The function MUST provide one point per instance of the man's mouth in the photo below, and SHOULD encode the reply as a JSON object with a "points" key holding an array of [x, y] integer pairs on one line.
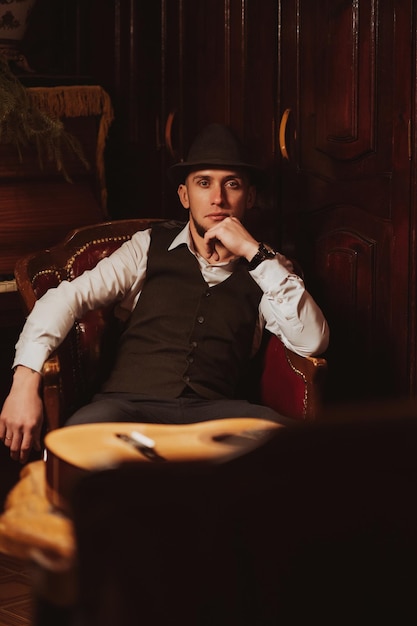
{"points": [[217, 217]]}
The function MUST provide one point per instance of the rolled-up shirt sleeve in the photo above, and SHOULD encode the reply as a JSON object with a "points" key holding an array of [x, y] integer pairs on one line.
{"points": [[288, 310], [117, 278]]}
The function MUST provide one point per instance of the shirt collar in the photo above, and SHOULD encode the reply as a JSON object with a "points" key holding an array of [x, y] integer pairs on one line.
{"points": [[183, 237]]}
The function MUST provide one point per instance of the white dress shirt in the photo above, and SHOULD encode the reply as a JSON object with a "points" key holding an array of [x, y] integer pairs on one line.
{"points": [[286, 309]]}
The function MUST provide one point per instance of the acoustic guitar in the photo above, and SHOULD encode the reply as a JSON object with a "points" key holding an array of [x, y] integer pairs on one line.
{"points": [[73, 451]]}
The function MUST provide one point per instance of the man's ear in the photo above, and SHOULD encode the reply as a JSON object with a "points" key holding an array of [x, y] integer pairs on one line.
{"points": [[250, 202], [183, 196]]}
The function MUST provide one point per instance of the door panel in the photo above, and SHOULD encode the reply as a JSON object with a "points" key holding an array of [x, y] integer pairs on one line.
{"points": [[346, 77]]}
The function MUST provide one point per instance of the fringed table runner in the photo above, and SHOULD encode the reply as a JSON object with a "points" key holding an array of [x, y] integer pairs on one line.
{"points": [[77, 101]]}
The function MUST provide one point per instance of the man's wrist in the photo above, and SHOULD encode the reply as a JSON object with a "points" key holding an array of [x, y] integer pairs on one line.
{"points": [[22, 373], [252, 251]]}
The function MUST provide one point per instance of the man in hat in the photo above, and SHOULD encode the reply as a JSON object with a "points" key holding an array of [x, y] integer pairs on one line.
{"points": [[197, 298]]}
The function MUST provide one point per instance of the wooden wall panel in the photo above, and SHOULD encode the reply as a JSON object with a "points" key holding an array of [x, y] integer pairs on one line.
{"points": [[225, 66], [346, 184], [170, 67]]}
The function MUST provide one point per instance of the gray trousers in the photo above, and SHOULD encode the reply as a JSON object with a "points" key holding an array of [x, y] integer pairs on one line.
{"points": [[188, 409]]}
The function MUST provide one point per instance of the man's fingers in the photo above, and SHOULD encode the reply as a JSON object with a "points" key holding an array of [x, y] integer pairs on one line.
{"points": [[24, 454], [211, 248], [231, 235], [20, 446], [213, 252], [14, 445], [30, 441], [7, 440]]}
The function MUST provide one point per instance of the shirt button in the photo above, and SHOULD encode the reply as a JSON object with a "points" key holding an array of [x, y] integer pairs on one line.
{"points": [[200, 319]]}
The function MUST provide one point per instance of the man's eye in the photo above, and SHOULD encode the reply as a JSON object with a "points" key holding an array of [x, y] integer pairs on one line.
{"points": [[233, 184], [203, 183]]}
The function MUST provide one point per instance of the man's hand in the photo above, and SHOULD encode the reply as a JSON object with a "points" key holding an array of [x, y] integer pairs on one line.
{"points": [[233, 236], [22, 415]]}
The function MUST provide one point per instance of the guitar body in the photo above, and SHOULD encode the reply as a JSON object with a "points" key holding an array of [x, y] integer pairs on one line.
{"points": [[74, 451]]}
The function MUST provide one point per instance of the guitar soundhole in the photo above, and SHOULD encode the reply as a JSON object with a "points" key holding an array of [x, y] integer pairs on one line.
{"points": [[242, 438]]}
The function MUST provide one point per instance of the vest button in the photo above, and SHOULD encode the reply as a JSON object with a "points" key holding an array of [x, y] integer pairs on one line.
{"points": [[186, 379], [208, 293], [194, 344], [200, 319], [190, 359]]}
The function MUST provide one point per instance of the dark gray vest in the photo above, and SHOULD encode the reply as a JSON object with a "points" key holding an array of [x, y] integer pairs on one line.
{"points": [[184, 333]]}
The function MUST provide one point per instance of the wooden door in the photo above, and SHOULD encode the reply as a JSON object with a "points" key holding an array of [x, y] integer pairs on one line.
{"points": [[346, 69]]}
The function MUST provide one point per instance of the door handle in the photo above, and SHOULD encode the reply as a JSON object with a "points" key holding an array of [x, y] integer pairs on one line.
{"points": [[282, 134], [168, 134]]}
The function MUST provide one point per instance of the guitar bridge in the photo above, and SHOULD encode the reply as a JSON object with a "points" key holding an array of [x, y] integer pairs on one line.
{"points": [[141, 445]]}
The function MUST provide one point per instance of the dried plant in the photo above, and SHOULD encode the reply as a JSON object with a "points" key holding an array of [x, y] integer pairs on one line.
{"points": [[22, 124]]}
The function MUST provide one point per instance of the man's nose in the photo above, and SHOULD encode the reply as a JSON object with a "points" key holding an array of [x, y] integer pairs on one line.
{"points": [[217, 194]]}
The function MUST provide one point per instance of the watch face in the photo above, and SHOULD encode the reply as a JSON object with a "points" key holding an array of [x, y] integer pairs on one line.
{"points": [[268, 251]]}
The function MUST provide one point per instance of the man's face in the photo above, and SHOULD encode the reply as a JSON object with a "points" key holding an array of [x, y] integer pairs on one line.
{"points": [[211, 195]]}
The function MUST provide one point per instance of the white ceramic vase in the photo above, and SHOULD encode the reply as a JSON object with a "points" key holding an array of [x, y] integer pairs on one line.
{"points": [[13, 22]]}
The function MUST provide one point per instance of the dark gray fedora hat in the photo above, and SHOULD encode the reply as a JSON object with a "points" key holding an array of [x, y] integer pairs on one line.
{"points": [[215, 147]]}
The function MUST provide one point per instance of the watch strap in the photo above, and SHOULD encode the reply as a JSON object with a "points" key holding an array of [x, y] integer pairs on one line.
{"points": [[264, 252]]}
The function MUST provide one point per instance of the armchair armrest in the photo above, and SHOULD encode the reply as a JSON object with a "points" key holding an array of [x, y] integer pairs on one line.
{"points": [[52, 392], [291, 384]]}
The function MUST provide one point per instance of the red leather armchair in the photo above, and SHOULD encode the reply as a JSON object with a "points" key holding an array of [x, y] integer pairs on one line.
{"points": [[283, 380]]}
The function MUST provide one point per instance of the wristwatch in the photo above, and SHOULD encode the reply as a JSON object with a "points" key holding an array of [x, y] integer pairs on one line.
{"points": [[264, 252]]}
